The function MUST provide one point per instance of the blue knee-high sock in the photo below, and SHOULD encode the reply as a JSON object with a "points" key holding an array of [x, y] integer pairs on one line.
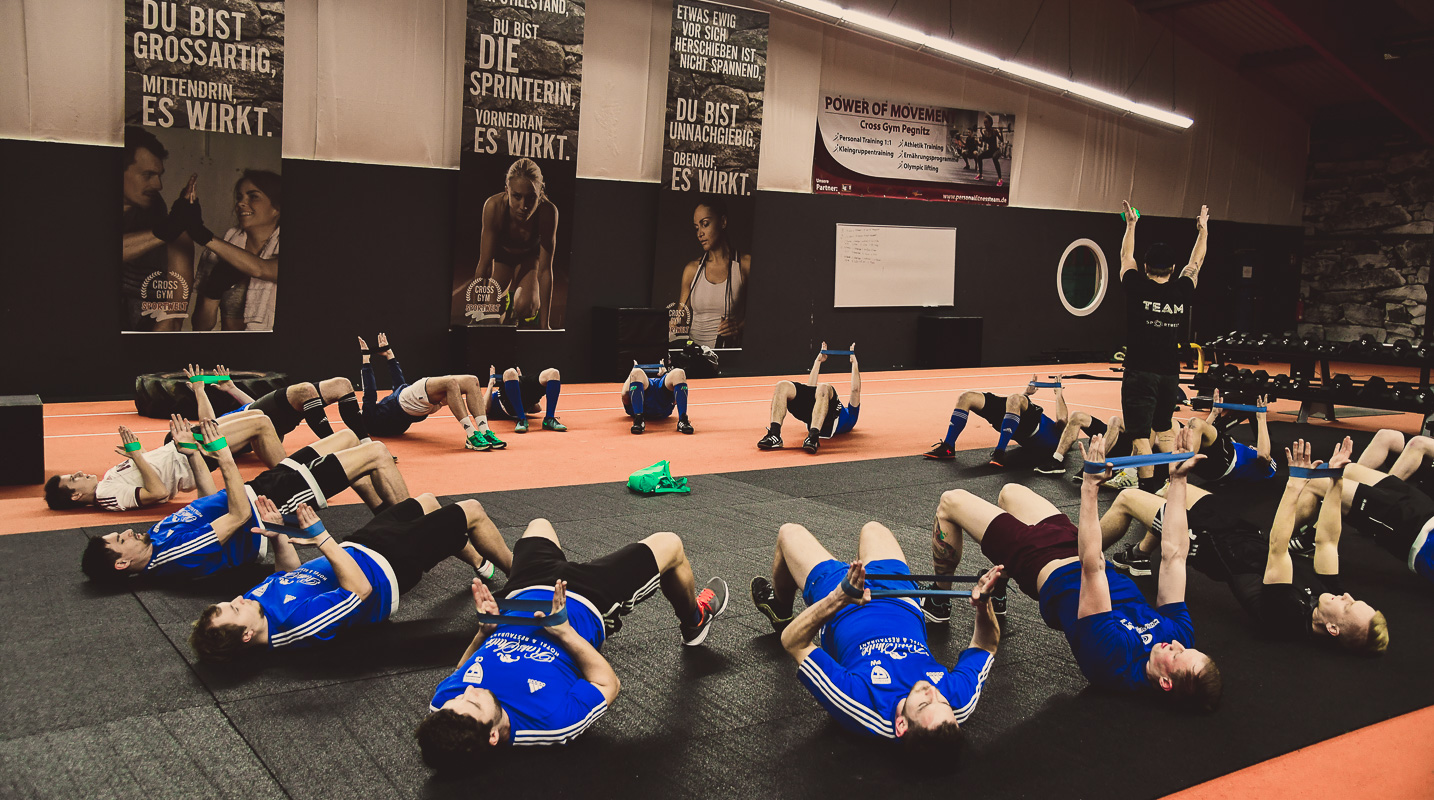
{"points": [[515, 399], [679, 393], [958, 424], [550, 408], [1008, 427], [634, 396]]}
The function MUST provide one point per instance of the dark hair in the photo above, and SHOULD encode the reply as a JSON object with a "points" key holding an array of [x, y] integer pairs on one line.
{"points": [[58, 498], [98, 562], [712, 201], [451, 741], [1199, 691], [270, 183], [940, 746], [136, 138], [213, 642], [1159, 258]]}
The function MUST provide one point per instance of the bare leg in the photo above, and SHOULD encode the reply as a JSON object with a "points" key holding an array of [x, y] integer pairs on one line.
{"points": [[298, 394], [542, 527], [1129, 505], [1385, 443], [1415, 456], [797, 553], [472, 400], [877, 543], [1207, 432], [484, 539], [341, 440], [785, 391], [821, 404], [679, 586], [1141, 447], [444, 390], [958, 511], [375, 461], [1024, 504], [1075, 426], [256, 430], [334, 388]]}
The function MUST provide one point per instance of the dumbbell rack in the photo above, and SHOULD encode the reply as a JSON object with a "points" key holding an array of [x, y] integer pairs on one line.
{"points": [[1321, 398]]}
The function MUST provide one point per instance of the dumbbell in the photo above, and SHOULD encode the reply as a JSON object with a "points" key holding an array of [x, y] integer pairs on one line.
{"points": [[1402, 347], [1374, 391], [1281, 382], [1298, 383], [1368, 345], [1258, 380], [1424, 398], [1309, 344], [1401, 393], [1340, 384]]}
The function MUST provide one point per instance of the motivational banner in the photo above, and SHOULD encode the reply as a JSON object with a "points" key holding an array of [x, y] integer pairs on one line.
{"points": [[883, 148], [716, 81], [202, 186], [522, 87]]}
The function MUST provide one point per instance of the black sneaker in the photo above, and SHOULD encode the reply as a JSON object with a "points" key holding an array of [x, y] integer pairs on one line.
{"points": [[936, 609], [771, 441], [812, 443], [684, 425], [941, 450], [611, 624], [764, 597], [1052, 467], [639, 425], [1132, 560], [998, 458], [998, 602], [711, 601], [1302, 542]]}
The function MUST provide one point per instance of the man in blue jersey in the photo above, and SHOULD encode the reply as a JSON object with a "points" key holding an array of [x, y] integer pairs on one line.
{"points": [[356, 583], [1118, 640], [525, 685], [1019, 420], [1229, 460], [211, 534], [873, 672], [655, 398], [816, 404]]}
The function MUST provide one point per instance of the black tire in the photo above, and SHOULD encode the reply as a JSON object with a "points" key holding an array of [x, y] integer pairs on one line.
{"points": [[159, 394]]}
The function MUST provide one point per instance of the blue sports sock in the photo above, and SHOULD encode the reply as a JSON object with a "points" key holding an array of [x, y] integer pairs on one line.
{"points": [[680, 395], [1008, 427], [634, 396], [515, 399], [550, 408], [958, 424]]}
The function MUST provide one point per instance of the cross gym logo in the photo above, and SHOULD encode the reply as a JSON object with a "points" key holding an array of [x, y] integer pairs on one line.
{"points": [[164, 295]]}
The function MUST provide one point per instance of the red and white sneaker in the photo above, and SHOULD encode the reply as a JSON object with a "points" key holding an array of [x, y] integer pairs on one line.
{"points": [[711, 601]]}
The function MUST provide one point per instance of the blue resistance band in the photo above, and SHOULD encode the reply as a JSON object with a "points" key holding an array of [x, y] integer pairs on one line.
{"points": [[312, 532], [1241, 407], [1316, 472], [852, 591], [1097, 467], [545, 606], [649, 367], [838, 352], [1044, 385]]}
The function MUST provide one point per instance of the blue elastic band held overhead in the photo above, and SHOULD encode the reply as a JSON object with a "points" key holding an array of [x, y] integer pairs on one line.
{"points": [[526, 605], [838, 352], [312, 532], [852, 591], [1044, 385], [1316, 472], [649, 367], [1241, 407], [1097, 467]]}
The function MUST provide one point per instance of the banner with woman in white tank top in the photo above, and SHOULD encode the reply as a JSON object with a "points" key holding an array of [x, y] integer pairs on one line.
{"points": [[717, 73]]}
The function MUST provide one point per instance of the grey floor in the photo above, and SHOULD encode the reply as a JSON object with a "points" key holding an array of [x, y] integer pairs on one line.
{"points": [[100, 695]]}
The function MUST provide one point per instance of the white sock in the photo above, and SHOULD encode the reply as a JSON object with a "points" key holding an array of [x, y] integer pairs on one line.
{"points": [[482, 421], [467, 426]]}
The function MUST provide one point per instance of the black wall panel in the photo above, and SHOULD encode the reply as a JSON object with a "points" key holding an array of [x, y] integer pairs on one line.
{"points": [[366, 248]]}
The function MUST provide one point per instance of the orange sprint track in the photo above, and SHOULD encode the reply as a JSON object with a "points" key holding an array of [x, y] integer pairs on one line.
{"points": [[902, 413]]}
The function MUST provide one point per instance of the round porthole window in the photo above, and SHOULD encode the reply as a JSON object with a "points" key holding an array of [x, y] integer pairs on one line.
{"points": [[1081, 277]]}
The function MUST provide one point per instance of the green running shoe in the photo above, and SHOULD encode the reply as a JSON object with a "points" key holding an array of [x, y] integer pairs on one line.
{"points": [[477, 442], [552, 424], [493, 441], [521, 426]]}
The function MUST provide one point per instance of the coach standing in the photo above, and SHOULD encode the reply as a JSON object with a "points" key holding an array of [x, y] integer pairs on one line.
{"points": [[1155, 309]]}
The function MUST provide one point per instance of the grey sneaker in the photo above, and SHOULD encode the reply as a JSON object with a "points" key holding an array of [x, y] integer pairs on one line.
{"points": [[711, 601]]}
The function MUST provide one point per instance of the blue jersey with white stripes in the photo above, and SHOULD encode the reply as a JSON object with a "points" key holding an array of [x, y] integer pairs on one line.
{"points": [[307, 605], [184, 543], [534, 679], [871, 658]]}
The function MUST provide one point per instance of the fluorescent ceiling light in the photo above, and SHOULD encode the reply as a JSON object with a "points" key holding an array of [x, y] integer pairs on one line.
{"points": [[881, 26]]}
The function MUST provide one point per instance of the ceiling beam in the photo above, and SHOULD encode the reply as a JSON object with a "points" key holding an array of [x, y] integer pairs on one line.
{"points": [[1342, 39]]}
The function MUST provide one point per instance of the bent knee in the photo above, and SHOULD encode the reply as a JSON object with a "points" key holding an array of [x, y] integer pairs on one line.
{"points": [[1011, 493], [510, 374], [954, 498], [301, 392], [678, 375], [550, 374], [473, 509]]}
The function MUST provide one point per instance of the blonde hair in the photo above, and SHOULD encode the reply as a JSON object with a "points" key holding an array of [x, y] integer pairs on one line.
{"points": [[526, 168], [1376, 639]]}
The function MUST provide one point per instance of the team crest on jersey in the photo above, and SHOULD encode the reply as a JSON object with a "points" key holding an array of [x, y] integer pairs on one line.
{"points": [[880, 676], [510, 650], [475, 672], [304, 576], [534, 685]]}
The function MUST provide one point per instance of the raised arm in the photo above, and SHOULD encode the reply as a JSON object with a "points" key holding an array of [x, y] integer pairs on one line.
{"points": [[1094, 588], [238, 513], [1278, 567], [798, 636], [591, 665], [987, 633], [346, 569], [1175, 528], [201, 395], [1331, 519], [1127, 244], [183, 437], [484, 603], [817, 366], [854, 396], [1197, 254], [286, 557], [547, 244], [1262, 429], [228, 387], [153, 488], [1063, 412]]}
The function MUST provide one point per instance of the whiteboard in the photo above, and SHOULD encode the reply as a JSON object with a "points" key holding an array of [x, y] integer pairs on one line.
{"points": [[894, 265]]}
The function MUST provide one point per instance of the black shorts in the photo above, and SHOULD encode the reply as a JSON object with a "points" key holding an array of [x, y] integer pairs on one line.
{"points": [[277, 408], [614, 584], [802, 404], [412, 541], [994, 412], [1219, 459], [288, 488], [500, 405], [1147, 400], [1116, 449], [1391, 511], [1222, 545]]}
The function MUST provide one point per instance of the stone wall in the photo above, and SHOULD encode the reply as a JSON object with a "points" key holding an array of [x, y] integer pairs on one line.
{"points": [[1369, 227]]}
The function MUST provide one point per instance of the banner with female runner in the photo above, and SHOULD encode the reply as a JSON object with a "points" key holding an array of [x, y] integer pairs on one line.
{"points": [[716, 80], [518, 167], [202, 192], [883, 148]]}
